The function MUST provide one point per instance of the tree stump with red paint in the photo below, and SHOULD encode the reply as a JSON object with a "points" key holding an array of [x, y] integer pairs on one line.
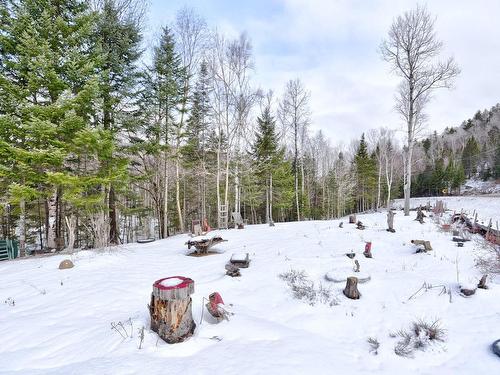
{"points": [[170, 308]]}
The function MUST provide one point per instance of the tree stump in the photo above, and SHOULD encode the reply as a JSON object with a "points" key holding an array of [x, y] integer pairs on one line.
{"points": [[232, 270], [352, 219], [170, 308], [390, 221], [467, 291], [351, 288], [368, 250], [482, 282]]}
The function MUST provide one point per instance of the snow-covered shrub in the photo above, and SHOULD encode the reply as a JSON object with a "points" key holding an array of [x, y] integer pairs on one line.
{"points": [[418, 337], [304, 289]]}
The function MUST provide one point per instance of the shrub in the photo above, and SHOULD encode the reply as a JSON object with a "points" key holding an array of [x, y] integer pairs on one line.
{"points": [[420, 335], [304, 289]]}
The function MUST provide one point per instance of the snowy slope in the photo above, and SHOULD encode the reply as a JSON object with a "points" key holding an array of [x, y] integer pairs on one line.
{"points": [[60, 323]]}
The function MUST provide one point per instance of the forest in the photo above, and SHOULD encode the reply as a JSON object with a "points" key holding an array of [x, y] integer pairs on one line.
{"points": [[104, 141]]}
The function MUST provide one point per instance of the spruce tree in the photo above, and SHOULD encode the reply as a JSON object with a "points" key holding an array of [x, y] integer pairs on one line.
{"points": [[118, 36], [268, 157], [48, 86], [470, 157]]}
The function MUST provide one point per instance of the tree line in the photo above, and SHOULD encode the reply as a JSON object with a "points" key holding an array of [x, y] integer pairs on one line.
{"points": [[103, 141]]}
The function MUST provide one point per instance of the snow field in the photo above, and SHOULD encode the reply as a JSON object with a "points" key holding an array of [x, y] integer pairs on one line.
{"points": [[61, 320]]}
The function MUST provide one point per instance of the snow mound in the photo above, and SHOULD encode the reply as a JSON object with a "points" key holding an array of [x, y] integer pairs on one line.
{"points": [[173, 281]]}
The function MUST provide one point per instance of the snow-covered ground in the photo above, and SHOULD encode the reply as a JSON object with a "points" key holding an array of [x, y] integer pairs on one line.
{"points": [[487, 207], [59, 321]]}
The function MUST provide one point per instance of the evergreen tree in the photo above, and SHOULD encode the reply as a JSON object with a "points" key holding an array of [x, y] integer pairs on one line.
{"points": [[470, 157], [268, 157], [366, 171], [118, 35], [48, 88]]}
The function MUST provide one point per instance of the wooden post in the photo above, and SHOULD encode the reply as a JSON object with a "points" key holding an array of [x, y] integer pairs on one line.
{"points": [[351, 288], [170, 308]]}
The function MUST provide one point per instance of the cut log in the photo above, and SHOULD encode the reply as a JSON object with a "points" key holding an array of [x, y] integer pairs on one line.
{"points": [[352, 219], [360, 226], [351, 288], [170, 309], [341, 224]]}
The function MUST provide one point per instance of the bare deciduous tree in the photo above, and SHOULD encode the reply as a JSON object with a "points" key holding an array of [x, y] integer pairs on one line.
{"points": [[411, 49], [294, 114]]}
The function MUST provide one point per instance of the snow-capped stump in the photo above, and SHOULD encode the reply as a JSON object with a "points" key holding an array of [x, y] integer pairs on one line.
{"points": [[351, 288], [170, 308], [352, 219], [66, 264], [240, 260]]}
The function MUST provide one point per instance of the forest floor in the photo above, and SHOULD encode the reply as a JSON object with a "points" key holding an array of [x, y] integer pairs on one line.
{"points": [[59, 321]]}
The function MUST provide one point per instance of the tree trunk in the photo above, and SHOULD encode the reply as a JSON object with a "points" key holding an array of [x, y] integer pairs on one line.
{"points": [[52, 220], [165, 196], [178, 195], [271, 197], [113, 218], [22, 228]]}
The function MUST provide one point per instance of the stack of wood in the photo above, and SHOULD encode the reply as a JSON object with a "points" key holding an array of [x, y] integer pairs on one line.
{"points": [[170, 308], [360, 226]]}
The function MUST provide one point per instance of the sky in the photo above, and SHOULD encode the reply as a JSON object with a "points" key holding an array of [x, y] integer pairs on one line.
{"points": [[332, 47]]}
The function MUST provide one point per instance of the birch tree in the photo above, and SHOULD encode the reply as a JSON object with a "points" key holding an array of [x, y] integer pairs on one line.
{"points": [[294, 114], [411, 49]]}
